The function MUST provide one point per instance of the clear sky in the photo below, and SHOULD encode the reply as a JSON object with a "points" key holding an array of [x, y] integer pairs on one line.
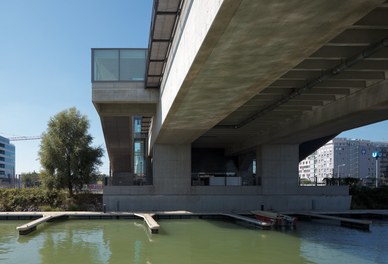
{"points": [[45, 64]]}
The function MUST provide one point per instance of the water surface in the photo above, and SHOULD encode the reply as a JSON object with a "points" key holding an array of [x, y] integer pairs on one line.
{"points": [[190, 241]]}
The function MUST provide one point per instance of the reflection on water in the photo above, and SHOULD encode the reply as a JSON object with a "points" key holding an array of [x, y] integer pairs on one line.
{"points": [[327, 243], [70, 244], [189, 241]]}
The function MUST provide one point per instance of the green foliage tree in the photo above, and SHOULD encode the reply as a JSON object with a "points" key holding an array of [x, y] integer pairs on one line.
{"points": [[30, 179], [66, 154]]}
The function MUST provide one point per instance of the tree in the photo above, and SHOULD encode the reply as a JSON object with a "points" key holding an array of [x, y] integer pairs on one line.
{"points": [[30, 179], [66, 154]]}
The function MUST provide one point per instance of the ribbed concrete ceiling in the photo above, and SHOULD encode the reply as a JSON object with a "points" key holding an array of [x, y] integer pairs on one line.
{"points": [[354, 60], [257, 70]]}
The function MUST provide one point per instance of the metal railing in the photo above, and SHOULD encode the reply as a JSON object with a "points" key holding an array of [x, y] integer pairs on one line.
{"points": [[129, 179], [222, 179]]}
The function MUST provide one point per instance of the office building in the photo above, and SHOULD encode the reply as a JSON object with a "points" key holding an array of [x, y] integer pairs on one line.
{"points": [[342, 158], [7, 162]]}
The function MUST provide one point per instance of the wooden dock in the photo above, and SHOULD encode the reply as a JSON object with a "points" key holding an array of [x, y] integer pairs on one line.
{"points": [[346, 222], [153, 226]]}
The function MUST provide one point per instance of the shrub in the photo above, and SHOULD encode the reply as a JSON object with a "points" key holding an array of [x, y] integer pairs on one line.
{"points": [[369, 198], [38, 199]]}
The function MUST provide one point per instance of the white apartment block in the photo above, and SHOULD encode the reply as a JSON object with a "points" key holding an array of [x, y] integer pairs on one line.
{"points": [[343, 158]]}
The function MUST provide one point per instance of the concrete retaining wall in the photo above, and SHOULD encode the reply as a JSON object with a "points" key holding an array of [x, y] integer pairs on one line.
{"points": [[206, 203]]}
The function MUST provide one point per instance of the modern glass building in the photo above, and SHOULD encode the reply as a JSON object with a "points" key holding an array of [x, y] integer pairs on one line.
{"points": [[7, 162]]}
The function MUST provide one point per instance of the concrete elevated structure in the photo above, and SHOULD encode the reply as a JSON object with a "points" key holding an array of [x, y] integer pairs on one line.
{"points": [[232, 95]]}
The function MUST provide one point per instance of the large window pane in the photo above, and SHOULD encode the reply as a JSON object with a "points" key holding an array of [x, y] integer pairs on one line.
{"points": [[139, 157], [132, 65], [137, 126], [106, 65]]}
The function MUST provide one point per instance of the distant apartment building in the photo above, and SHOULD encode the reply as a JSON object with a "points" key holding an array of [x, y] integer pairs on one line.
{"points": [[382, 147], [341, 158], [7, 162]]}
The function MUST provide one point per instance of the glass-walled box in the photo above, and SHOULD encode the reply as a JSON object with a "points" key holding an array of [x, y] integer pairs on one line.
{"points": [[118, 65]]}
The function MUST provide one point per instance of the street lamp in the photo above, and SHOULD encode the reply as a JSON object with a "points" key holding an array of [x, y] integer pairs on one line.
{"points": [[341, 165], [377, 155]]}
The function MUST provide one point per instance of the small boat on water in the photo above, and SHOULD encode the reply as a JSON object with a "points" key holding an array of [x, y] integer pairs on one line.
{"points": [[275, 219]]}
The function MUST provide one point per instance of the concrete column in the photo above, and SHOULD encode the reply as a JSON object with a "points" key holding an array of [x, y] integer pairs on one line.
{"points": [[149, 173], [278, 168], [172, 168]]}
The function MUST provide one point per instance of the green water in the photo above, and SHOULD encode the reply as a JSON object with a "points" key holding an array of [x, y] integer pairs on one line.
{"points": [[189, 241]]}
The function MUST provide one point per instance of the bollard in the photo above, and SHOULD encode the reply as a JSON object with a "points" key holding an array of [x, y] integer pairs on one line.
{"points": [[104, 208]]}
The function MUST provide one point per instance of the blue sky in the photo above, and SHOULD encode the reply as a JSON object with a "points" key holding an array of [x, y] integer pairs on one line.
{"points": [[45, 64], [45, 61]]}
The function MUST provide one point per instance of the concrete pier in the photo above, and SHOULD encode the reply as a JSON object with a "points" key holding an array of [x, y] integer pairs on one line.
{"points": [[31, 226], [252, 221], [153, 226], [346, 222], [42, 217]]}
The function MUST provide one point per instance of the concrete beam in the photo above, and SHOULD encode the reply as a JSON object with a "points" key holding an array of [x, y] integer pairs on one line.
{"points": [[124, 109], [367, 106], [123, 92]]}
